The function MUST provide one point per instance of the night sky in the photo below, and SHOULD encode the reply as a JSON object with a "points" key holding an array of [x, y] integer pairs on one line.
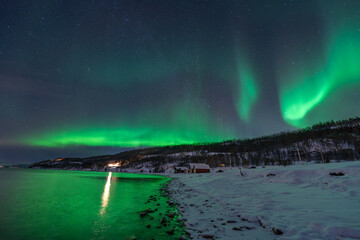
{"points": [[80, 78]]}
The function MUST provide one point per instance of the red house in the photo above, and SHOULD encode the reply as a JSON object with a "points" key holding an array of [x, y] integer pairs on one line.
{"points": [[199, 168]]}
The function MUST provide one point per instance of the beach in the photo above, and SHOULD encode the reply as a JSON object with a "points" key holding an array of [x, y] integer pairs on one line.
{"points": [[311, 201]]}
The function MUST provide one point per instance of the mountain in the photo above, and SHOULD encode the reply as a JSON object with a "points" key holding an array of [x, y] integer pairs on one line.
{"points": [[321, 143]]}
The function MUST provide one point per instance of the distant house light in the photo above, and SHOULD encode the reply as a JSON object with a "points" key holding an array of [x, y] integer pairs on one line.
{"points": [[113, 165]]}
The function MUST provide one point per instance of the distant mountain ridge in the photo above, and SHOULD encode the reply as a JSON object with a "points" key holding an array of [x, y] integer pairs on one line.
{"points": [[323, 142]]}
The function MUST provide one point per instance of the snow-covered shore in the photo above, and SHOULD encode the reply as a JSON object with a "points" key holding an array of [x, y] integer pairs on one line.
{"points": [[293, 202]]}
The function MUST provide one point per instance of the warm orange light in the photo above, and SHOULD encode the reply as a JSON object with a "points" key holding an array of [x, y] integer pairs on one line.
{"points": [[114, 165], [106, 194]]}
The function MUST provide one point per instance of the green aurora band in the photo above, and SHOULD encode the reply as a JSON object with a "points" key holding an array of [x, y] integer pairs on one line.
{"points": [[248, 94], [301, 91], [341, 68], [184, 125], [121, 137], [246, 90]]}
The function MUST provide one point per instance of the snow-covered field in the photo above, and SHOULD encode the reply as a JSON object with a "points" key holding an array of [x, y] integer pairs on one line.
{"points": [[293, 202]]}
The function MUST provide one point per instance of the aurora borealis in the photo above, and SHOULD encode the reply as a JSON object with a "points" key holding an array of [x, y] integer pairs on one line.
{"points": [[94, 77], [339, 68]]}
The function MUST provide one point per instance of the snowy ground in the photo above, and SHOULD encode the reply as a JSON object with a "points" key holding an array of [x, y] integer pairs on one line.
{"points": [[302, 202]]}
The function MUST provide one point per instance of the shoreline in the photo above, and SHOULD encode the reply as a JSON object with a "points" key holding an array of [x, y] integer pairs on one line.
{"points": [[267, 203]]}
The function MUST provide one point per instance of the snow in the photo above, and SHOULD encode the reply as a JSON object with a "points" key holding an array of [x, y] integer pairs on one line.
{"points": [[302, 201]]}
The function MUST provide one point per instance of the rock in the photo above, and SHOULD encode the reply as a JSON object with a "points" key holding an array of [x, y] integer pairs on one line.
{"points": [[170, 215], [237, 229], [131, 238], [142, 214], [277, 231], [336, 174], [231, 221], [208, 236], [146, 212], [171, 203], [261, 223], [163, 221]]}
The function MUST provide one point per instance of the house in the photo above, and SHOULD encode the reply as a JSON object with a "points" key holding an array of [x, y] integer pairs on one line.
{"points": [[199, 168], [181, 170]]}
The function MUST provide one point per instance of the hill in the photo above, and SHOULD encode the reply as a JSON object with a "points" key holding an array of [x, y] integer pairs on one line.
{"points": [[322, 143]]}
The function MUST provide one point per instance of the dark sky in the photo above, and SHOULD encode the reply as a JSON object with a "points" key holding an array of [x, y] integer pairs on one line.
{"points": [[79, 78]]}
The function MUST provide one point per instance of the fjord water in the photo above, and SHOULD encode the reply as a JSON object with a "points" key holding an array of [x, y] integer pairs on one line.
{"points": [[56, 204]]}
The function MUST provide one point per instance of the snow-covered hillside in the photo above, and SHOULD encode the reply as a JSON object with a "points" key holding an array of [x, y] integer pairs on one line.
{"points": [[293, 202], [322, 143]]}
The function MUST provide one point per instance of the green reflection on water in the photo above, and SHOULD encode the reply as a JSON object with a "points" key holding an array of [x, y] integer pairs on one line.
{"points": [[53, 204]]}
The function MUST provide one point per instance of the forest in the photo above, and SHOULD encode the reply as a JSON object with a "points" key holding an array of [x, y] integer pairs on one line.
{"points": [[322, 143]]}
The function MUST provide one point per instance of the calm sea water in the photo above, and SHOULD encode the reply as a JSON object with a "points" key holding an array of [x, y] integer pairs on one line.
{"points": [[55, 204]]}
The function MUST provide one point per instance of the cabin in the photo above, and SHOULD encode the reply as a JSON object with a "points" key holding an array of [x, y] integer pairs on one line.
{"points": [[199, 168]]}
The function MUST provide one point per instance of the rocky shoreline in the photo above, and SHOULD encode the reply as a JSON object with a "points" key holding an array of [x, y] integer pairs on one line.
{"points": [[171, 220]]}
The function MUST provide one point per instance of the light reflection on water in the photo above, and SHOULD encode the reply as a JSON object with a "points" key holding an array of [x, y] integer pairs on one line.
{"points": [[106, 194], [52, 204]]}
